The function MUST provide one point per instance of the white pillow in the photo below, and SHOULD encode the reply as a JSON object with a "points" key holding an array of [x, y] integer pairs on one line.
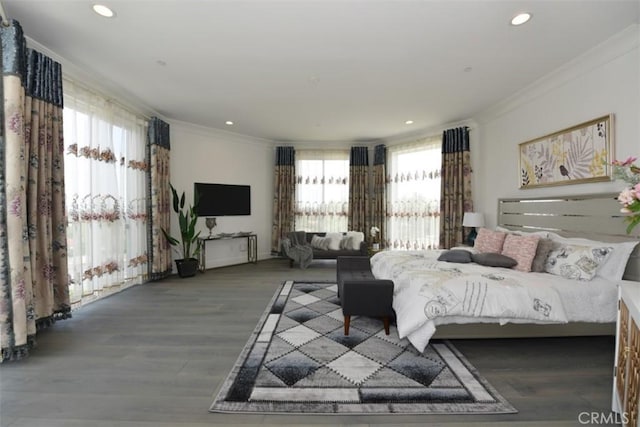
{"points": [[466, 248], [358, 238], [523, 233], [334, 241], [578, 262], [613, 267], [345, 243], [321, 243]]}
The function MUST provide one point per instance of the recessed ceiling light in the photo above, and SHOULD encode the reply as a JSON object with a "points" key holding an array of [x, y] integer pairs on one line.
{"points": [[103, 10], [408, 122], [228, 123], [520, 18]]}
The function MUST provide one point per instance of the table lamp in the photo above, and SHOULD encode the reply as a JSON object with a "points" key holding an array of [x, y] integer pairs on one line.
{"points": [[472, 220]]}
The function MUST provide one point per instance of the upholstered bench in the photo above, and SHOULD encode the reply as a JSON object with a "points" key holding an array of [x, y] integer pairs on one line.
{"points": [[360, 293]]}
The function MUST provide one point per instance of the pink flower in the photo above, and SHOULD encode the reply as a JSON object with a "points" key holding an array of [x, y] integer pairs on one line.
{"points": [[627, 196], [637, 190], [628, 162]]}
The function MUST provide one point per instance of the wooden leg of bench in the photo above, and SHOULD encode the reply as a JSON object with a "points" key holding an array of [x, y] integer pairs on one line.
{"points": [[347, 321], [385, 320]]}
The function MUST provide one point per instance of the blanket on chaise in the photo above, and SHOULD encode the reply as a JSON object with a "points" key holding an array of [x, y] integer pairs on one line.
{"points": [[295, 246]]}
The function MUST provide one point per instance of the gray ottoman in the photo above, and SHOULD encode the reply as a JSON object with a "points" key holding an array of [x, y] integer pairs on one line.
{"points": [[360, 293]]}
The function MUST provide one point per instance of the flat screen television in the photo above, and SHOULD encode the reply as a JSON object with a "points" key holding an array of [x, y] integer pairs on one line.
{"points": [[223, 199]]}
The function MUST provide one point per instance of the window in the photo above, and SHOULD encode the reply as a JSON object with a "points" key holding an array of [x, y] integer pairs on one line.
{"points": [[413, 194], [322, 190], [105, 172]]}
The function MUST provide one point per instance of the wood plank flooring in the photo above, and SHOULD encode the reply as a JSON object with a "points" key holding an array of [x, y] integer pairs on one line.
{"points": [[155, 354]]}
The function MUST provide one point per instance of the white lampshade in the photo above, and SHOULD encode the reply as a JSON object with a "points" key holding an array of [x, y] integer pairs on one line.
{"points": [[473, 219]]}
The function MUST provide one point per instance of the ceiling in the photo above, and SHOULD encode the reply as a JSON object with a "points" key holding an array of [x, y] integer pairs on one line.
{"points": [[324, 70]]}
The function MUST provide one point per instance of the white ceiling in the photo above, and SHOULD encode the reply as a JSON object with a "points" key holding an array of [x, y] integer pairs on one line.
{"points": [[324, 70]]}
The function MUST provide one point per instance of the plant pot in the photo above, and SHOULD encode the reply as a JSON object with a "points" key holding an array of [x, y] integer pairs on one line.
{"points": [[187, 267]]}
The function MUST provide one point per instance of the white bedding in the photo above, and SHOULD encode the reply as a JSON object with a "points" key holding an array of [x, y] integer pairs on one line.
{"points": [[428, 293]]}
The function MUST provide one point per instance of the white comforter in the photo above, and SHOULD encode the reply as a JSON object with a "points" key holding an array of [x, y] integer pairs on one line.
{"points": [[428, 292]]}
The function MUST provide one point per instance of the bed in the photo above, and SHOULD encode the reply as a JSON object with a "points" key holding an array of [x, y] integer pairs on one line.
{"points": [[441, 299]]}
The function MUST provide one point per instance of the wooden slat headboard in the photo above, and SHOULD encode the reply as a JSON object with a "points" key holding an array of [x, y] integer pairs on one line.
{"points": [[594, 216]]}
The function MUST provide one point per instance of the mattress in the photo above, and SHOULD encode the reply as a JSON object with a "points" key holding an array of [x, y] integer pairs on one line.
{"points": [[428, 293]]}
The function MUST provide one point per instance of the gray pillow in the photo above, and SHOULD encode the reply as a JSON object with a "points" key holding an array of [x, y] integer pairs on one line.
{"points": [[494, 260], [456, 255], [545, 246]]}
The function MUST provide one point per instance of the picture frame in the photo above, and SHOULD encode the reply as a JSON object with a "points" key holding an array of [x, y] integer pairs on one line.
{"points": [[576, 155]]}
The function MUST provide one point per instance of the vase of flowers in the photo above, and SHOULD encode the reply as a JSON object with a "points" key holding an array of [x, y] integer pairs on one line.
{"points": [[375, 243], [629, 198]]}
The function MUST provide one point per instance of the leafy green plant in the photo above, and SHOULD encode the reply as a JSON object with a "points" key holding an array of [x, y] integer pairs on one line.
{"points": [[187, 219]]}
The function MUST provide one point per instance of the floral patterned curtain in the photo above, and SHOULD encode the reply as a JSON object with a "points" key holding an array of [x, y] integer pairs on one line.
{"points": [[379, 194], [413, 195], [159, 192], [358, 189], [105, 174], [283, 196], [322, 190], [456, 198], [33, 243]]}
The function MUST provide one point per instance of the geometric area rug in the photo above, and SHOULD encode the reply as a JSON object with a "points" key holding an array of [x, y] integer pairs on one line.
{"points": [[298, 361]]}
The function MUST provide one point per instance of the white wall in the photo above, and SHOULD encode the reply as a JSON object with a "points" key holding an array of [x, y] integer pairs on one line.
{"points": [[604, 81], [207, 155]]}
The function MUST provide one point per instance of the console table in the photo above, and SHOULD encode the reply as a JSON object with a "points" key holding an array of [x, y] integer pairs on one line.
{"points": [[252, 247]]}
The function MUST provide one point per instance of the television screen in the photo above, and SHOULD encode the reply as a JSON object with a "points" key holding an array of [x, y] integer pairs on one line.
{"points": [[223, 199]]}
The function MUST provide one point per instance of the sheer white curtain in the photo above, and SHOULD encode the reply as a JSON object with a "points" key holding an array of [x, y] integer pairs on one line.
{"points": [[413, 194], [322, 190], [105, 171]]}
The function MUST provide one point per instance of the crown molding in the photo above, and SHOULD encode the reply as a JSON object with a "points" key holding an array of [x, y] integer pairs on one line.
{"points": [[616, 46], [221, 134], [98, 84], [428, 132]]}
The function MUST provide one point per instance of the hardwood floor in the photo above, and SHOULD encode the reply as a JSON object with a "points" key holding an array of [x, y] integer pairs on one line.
{"points": [[155, 354]]}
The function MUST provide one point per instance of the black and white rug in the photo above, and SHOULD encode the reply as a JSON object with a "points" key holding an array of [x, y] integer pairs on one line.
{"points": [[298, 360]]}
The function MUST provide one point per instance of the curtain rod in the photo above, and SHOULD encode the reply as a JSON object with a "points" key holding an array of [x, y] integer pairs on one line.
{"points": [[5, 19], [102, 94]]}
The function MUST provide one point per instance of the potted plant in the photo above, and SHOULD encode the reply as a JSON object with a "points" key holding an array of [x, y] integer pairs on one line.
{"points": [[191, 245]]}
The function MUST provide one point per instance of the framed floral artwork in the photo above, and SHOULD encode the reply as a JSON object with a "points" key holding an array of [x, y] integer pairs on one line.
{"points": [[574, 155]]}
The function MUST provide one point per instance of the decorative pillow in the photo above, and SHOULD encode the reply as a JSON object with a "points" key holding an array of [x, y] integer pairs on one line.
{"points": [[321, 243], [489, 241], [522, 249], [493, 260], [346, 243], [578, 262], [545, 246], [613, 267], [455, 255], [334, 241], [358, 238]]}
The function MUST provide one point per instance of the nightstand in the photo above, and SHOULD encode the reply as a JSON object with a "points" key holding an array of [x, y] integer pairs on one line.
{"points": [[626, 381]]}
